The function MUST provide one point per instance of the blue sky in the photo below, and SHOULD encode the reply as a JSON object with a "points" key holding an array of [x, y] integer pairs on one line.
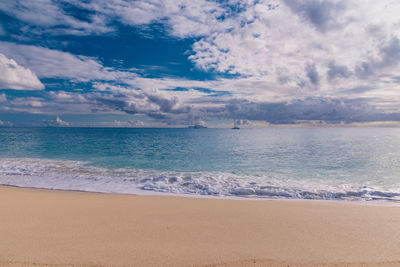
{"points": [[181, 62]]}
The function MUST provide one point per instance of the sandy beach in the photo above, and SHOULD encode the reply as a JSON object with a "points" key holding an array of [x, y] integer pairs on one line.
{"points": [[61, 228]]}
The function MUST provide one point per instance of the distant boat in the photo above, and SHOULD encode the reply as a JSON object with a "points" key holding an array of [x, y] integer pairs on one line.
{"points": [[235, 128], [197, 126]]}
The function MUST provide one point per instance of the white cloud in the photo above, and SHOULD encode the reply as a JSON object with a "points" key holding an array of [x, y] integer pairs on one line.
{"points": [[309, 48], [184, 18], [302, 53], [129, 123], [60, 122], [52, 17], [51, 63], [14, 76], [280, 42], [297, 48]]}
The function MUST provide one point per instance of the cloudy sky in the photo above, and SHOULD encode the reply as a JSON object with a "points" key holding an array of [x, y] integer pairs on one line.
{"points": [[181, 62]]}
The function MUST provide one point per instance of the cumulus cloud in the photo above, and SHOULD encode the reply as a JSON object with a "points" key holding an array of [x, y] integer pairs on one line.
{"points": [[184, 18], [337, 71], [287, 60], [52, 63], [53, 17], [330, 110], [312, 74], [323, 15], [194, 110], [14, 76], [129, 123], [58, 122], [289, 45], [272, 43]]}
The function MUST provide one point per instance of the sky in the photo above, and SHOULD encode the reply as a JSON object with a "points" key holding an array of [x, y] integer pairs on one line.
{"points": [[182, 62]]}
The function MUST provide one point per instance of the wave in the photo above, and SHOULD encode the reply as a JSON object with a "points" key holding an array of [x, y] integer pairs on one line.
{"points": [[78, 175]]}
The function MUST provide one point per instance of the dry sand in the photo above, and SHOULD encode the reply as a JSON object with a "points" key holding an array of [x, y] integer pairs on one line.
{"points": [[42, 227]]}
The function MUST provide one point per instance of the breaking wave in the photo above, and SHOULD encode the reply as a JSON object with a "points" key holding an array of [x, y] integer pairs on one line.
{"points": [[77, 175]]}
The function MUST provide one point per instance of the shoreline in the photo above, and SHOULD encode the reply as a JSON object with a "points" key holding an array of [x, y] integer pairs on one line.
{"points": [[378, 203], [62, 174], [69, 228]]}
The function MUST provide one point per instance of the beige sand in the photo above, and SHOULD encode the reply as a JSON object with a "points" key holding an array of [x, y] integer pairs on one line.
{"points": [[41, 227]]}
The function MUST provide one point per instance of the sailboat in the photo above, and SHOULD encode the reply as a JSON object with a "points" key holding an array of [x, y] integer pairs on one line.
{"points": [[235, 126]]}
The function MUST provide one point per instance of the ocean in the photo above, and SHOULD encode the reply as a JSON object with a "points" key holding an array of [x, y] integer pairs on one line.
{"points": [[353, 164]]}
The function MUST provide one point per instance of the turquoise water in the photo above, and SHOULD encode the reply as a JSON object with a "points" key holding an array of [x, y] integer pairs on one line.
{"points": [[299, 163]]}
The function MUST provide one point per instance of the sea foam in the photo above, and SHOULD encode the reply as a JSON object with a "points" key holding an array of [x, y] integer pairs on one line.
{"points": [[78, 175]]}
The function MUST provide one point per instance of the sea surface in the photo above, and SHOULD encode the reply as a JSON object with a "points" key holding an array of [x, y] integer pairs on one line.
{"points": [[273, 163]]}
